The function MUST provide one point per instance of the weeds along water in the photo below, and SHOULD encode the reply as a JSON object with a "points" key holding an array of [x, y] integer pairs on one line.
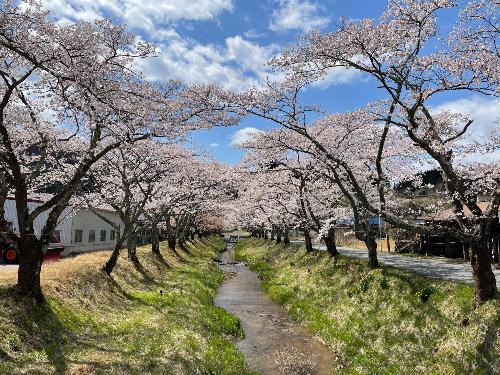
{"points": [[157, 317], [385, 321]]}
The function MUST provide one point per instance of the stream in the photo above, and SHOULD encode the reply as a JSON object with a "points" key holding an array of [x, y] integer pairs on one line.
{"points": [[273, 343]]}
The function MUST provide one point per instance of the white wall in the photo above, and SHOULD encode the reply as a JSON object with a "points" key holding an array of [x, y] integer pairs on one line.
{"points": [[86, 220], [70, 221], [64, 224]]}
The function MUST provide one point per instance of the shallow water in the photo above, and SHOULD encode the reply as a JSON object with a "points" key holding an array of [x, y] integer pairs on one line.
{"points": [[273, 343]]}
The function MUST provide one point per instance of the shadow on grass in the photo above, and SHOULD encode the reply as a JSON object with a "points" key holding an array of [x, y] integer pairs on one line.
{"points": [[146, 277], [181, 257], [158, 258], [485, 353], [40, 329]]}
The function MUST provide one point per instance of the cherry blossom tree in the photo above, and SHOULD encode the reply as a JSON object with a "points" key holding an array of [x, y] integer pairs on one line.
{"points": [[402, 54], [68, 96]]}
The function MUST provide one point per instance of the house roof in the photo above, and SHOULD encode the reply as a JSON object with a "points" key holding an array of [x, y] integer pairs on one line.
{"points": [[447, 214]]}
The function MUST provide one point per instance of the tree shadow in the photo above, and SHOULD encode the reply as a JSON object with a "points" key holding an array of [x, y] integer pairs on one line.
{"points": [[39, 328], [145, 275], [185, 248], [161, 259], [179, 256], [485, 354]]}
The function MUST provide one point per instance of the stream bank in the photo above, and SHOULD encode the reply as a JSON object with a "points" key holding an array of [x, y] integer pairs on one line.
{"points": [[273, 343]]}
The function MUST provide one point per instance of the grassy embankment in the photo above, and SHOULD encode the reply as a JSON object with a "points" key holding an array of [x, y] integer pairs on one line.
{"points": [[93, 324], [386, 321]]}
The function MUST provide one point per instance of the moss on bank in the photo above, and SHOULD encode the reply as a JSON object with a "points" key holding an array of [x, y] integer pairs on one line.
{"points": [[154, 318], [385, 321]]}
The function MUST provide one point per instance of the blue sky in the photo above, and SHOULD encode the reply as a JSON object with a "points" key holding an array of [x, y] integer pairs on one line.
{"points": [[229, 41]]}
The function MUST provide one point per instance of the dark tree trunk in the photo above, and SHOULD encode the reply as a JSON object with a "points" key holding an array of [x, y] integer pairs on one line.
{"points": [[388, 242], [192, 236], [272, 234], [286, 237], [266, 236], [171, 242], [182, 241], [309, 244], [30, 266], [485, 287], [132, 247], [113, 259], [371, 245], [278, 236], [155, 239], [331, 247]]}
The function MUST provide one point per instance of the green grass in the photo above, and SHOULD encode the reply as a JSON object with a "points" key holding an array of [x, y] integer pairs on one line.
{"points": [[385, 321], [93, 324]]}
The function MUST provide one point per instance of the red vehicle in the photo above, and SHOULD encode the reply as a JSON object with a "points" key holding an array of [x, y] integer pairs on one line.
{"points": [[10, 255]]}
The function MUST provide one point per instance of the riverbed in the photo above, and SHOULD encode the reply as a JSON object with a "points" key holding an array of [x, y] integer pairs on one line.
{"points": [[273, 343]]}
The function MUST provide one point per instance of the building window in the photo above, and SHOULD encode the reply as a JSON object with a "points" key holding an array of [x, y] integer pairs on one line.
{"points": [[78, 236], [112, 235], [91, 235], [103, 235]]}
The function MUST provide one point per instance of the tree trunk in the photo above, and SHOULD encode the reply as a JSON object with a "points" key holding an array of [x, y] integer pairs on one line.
{"points": [[485, 287], [331, 247], [171, 242], [309, 244], [192, 236], [388, 242], [30, 266], [278, 236], [286, 237], [272, 234], [371, 245], [113, 259], [155, 239], [132, 247]]}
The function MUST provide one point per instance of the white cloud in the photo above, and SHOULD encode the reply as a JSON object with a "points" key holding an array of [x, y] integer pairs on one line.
{"points": [[338, 76], [215, 144], [254, 34], [243, 135], [139, 14], [484, 111], [249, 55], [237, 65], [297, 15]]}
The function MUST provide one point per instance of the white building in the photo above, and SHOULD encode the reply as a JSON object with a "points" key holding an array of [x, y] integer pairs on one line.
{"points": [[79, 230]]}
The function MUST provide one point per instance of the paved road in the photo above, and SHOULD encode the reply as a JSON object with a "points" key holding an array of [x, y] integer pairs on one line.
{"points": [[8, 267], [427, 267]]}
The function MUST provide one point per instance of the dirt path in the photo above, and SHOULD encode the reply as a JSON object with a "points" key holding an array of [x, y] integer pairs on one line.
{"points": [[273, 343]]}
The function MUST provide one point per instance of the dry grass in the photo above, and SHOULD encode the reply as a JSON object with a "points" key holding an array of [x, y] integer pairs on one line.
{"points": [[353, 243], [153, 318], [385, 321]]}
